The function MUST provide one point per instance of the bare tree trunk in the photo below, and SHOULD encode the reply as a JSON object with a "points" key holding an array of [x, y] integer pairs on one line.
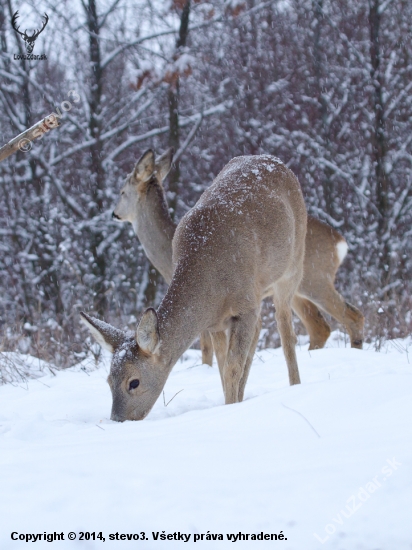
{"points": [[379, 141], [323, 108], [150, 292], [379, 138], [95, 103], [95, 96], [3, 42], [174, 141], [49, 288], [173, 98]]}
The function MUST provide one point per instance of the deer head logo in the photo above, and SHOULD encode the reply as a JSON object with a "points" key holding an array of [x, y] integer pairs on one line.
{"points": [[29, 40]]}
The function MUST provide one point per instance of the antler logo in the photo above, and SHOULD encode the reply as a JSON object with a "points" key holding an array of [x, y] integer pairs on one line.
{"points": [[29, 40]]}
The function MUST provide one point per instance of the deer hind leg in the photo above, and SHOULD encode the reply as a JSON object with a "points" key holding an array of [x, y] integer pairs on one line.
{"points": [[351, 318], [249, 360], [207, 348], [242, 335], [282, 301], [313, 320], [219, 340]]}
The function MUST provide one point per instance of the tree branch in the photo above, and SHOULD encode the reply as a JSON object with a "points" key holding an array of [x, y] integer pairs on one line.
{"points": [[189, 138], [23, 139], [212, 21], [158, 131]]}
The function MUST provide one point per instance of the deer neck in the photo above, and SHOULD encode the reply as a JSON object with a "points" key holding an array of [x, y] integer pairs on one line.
{"points": [[180, 318], [155, 229]]}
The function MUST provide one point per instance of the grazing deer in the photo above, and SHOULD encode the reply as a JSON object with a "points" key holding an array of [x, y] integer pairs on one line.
{"points": [[143, 203], [243, 240], [325, 251]]}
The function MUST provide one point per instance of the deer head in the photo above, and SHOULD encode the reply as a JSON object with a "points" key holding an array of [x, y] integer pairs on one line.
{"points": [[136, 379], [29, 40], [147, 169]]}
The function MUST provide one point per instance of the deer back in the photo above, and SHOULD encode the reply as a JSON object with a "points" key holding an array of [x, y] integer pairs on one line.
{"points": [[245, 235], [246, 231]]}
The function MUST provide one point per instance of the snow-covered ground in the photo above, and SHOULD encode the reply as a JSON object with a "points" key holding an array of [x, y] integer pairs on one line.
{"points": [[327, 464]]}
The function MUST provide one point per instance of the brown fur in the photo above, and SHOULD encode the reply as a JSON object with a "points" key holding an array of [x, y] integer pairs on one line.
{"points": [[143, 203], [148, 212], [242, 241], [321, 264]]}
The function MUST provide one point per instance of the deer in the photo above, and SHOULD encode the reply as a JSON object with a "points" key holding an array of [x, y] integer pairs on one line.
{"points": [[29, 40], [144, 205], [244, 240]]}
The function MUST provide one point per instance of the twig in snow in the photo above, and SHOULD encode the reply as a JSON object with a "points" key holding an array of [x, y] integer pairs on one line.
{"points": [[164, 400], [193, 366], [304, 417], [37, 380]]}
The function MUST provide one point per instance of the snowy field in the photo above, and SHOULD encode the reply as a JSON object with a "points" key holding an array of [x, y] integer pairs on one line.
{"points": [[327, 464]]}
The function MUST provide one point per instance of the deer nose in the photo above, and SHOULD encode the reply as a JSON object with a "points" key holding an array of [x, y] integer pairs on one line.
{"points": [[115, 216], [117, 417]]}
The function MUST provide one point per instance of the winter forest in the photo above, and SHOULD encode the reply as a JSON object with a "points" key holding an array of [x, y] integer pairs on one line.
{"points": [[325, 86]]}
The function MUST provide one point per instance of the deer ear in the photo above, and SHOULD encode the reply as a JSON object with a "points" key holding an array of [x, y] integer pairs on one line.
{"points": [[164, 163], [107, 336], [144, 168], [147, 332]]}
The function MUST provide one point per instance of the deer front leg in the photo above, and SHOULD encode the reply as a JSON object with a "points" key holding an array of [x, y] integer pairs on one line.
{"points": [[207, 348], [314, 322], [242, 334]]}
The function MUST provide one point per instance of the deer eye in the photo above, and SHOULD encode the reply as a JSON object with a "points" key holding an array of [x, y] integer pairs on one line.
{"points": [[133, 384]]}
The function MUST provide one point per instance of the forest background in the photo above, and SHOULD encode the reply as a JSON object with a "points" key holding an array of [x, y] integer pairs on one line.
{"points": [[325, 86]]}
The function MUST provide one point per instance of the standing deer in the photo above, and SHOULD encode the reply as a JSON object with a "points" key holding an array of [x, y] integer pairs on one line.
{"points": [[243, 240], [143, 203]]}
